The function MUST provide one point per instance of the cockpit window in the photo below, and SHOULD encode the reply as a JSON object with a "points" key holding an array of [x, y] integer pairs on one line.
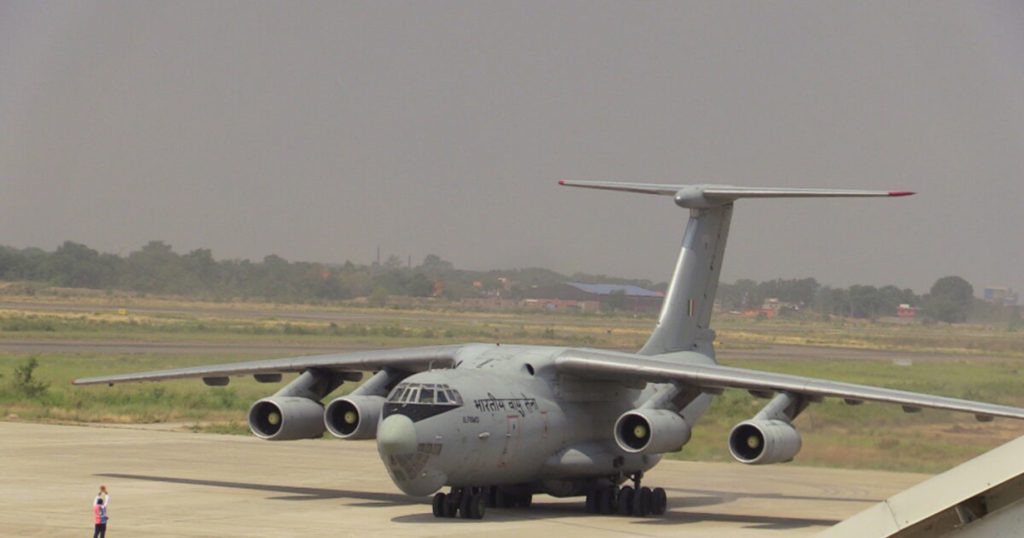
{"points": [[415, 393]]}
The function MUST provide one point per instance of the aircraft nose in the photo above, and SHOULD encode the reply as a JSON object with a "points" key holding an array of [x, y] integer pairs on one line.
{"points": [[396, 435]]}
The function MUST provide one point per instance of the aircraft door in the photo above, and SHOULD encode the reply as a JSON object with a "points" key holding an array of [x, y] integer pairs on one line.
{"points": [[514, 427]]}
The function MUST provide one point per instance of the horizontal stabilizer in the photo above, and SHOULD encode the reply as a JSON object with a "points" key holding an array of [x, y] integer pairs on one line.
{"points": [[698, 196]]}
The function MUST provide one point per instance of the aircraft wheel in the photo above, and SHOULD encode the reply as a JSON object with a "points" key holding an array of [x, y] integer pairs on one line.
{"points": [[626, 501], [451, 505], [465, 505], [659, 501], [591, 505], [525, 500], [439, 505], [477, 506], [606, 500], [642, 502]]}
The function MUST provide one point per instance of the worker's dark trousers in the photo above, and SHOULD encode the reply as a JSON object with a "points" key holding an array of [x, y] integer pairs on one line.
{"points": [[101, 531]]}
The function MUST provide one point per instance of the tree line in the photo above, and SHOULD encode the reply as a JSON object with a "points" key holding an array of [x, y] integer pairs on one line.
{"points": [[157, 268], [951, 299]]}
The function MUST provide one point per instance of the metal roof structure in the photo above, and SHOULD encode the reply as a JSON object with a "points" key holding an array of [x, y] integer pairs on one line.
{"points": [[608, 289]]}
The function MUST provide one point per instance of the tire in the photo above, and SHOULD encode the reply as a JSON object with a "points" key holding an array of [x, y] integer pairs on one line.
{"points": [[659, 501], [451, 506], [591, 505], [626, 501], [439, 502], [642, 502], [477, 506]]}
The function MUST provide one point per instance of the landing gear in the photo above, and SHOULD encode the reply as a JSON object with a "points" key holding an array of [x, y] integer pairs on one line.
{"points": [[628, 500], [468, 503], [473, 506], [659, 501], [472, 503], [440, 499]]}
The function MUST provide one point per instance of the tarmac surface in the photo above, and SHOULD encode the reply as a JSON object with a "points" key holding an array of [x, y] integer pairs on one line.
{"points": [[165, 483]]}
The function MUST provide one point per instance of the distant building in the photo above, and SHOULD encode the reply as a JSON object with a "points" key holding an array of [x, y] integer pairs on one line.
{"points": [[1000, 296], [590, 297], [560, 305]]}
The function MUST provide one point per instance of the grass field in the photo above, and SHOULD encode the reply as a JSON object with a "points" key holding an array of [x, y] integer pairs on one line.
{"points": [[972, 362]]}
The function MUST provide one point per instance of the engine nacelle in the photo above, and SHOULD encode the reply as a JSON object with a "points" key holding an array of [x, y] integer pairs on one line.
{"points": [[354, 417], [758, 442], [286, 418], [651, 431]]}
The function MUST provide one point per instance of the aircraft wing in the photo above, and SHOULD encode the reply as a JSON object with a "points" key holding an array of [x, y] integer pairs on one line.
{"points": [[415, 359], [712, 378]]}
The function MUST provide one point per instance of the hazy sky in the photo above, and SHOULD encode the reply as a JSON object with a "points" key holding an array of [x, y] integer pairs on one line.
{"points": [[317, 131]]}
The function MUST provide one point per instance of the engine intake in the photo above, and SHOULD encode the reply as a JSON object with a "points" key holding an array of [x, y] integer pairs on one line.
{"points": [[651, 431], [757, 442], [354, 417], [286, 418]]}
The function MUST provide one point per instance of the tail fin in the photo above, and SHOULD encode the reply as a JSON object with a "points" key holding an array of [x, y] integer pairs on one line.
{"points": [[684, 323]]}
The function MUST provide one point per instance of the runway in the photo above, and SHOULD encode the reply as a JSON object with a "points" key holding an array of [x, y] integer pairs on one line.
{"points": [[166, 483]]}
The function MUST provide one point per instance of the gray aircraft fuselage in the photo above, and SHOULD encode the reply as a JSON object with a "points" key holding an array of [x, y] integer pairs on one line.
{"points": [[519, 424]]}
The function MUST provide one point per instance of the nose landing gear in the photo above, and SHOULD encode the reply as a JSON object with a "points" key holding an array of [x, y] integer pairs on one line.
{"points": [[628, 500]]}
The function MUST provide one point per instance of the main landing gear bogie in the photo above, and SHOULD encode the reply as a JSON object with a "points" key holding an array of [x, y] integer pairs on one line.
{"points": [[472, 503], [467, 503], [628, 500]]}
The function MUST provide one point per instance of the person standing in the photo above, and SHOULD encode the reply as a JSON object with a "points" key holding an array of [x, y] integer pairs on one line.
{"points": [[100, 513], [104, 496]]}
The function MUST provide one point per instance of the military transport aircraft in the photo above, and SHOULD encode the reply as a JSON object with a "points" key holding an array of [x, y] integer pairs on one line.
{"points": [[499, 423]]}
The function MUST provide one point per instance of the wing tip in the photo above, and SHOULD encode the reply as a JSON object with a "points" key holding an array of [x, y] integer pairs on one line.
{"points": [[896, 194]]}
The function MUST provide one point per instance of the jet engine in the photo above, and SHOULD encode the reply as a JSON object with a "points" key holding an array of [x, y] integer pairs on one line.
{"points": [[651, 431], [354, 417], [757, 442], [286, 418]]}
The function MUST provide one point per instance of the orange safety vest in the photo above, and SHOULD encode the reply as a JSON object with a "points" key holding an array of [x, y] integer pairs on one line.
{"points": [[101, 513]]}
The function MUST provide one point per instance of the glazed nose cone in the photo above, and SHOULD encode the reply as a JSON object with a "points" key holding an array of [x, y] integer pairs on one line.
{"points": [[396, 435]]}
